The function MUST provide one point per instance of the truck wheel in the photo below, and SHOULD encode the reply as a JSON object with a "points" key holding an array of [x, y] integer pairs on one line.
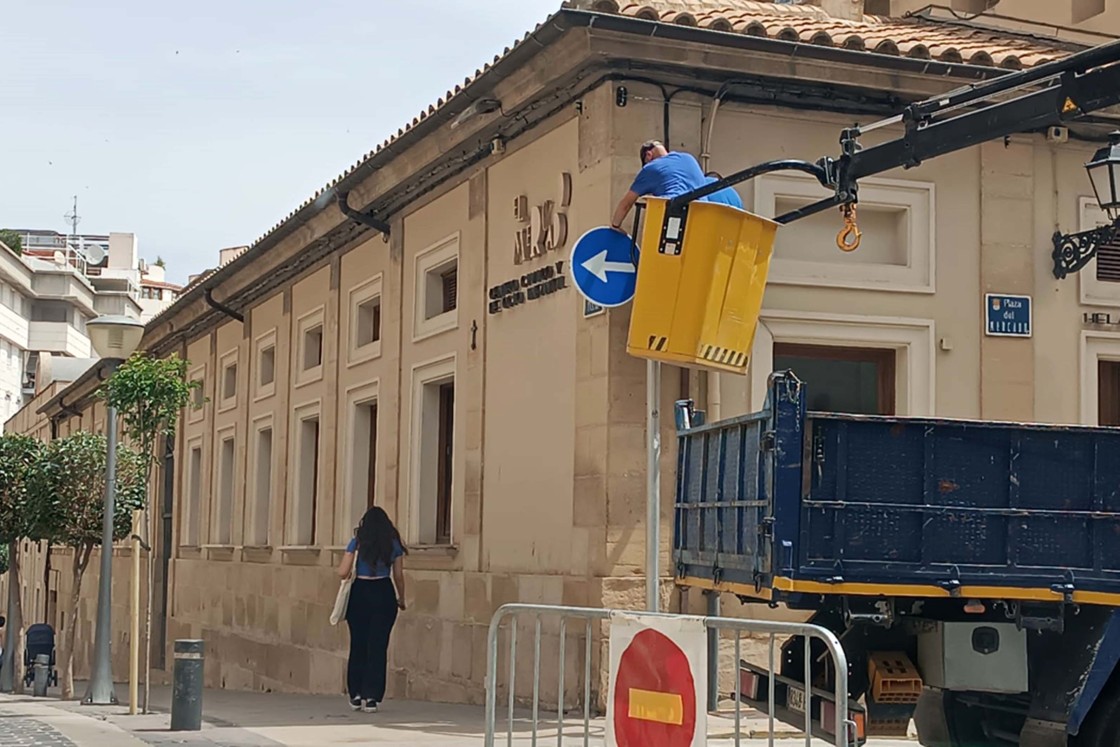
{"points": [[966, 726], [1102, 728]]}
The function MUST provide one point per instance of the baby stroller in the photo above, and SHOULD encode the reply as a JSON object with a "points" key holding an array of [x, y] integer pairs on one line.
{"points": [[40, 642]]}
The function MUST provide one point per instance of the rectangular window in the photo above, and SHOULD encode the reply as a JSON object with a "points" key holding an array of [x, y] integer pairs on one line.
{"points": [[267, 366], [1108, 263], [433, 472], [194, 495], [364, 464], [449, 284], [367, 329], [198, 399], [229, 382], [313, 347], [441, 289], [307, 488], [262, 498], [223, 514], [841, 379], [446, 449]]}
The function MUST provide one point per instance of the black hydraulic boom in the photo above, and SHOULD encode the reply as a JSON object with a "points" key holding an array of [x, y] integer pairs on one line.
{"points": [[1055, 93]]}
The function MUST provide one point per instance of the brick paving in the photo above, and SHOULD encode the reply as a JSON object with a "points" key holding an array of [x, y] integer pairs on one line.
{"points": [[20, 731]]}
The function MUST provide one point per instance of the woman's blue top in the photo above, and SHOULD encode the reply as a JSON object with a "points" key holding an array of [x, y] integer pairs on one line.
{"points": [[380, 570]]}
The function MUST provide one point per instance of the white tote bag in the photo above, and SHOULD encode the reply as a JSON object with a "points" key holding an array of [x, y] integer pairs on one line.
{"points": [[343, 599]]}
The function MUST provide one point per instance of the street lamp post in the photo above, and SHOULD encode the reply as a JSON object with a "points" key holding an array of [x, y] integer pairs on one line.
{"points": [[114, 339]]}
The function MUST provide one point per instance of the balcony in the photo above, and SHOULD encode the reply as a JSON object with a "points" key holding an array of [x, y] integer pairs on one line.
{"points": [[57, 337]]}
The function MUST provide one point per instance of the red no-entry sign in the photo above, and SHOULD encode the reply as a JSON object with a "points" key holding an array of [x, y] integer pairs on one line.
{"points": [[654, 699]]}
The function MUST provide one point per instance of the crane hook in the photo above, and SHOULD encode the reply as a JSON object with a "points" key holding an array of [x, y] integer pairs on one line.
{"points": [[849, 238]]}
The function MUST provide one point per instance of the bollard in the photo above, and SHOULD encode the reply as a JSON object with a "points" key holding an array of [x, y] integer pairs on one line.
{"points": [[186, 699], [41, 675]]}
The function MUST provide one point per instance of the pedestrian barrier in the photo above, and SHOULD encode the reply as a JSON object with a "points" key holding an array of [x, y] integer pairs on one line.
{"points": [[591, 628]]}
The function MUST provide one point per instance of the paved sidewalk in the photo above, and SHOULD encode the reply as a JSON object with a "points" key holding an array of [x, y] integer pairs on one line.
{"points": [[36, 722], [252, 719]]}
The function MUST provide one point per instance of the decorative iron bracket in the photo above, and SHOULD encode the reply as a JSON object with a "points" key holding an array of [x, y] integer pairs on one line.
{"points": [[1074, 250]]}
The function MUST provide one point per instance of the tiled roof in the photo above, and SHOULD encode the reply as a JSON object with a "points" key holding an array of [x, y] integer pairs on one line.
{"points": [[809, 24]]}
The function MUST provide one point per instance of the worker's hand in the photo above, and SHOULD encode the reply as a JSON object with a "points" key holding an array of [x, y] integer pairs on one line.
{"points": [[402, 605], [620, 229]]}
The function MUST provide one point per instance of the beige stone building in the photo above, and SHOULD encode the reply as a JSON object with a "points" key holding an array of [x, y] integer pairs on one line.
{"points": [[424, 349]]}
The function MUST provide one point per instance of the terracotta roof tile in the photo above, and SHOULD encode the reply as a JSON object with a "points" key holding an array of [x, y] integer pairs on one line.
{"points": [[809, 24]]}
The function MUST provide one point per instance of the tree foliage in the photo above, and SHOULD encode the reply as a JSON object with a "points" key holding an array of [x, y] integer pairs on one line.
{"points": [[67, 493], [3, 559], [12, 240], [149, 394], [19, 456]]}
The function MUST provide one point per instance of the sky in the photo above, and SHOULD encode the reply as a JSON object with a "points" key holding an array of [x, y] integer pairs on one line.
{"points": [[200, 125]]}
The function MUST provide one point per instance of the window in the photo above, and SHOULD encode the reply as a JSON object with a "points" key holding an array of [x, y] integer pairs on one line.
{"points": [[223, 511], [194, 493], [363, 486], [434, 470], [305, 506], [367, 329], [443, 486], [267, 366], [437, 289], [1108, 263], [262, 490], [313, 347], [198, 399], [441, 289], [842, 379], [364, 332], [229, 382]]}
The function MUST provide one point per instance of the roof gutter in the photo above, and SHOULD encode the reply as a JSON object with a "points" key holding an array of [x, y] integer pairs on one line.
{"points": [[220, 307], [365, 219]]}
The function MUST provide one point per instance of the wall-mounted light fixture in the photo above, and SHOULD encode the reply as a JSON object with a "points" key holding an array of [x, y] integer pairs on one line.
{"points": [[482, 106], [1073, 251]]}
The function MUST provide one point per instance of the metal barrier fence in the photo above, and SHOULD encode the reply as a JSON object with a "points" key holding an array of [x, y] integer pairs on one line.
{"points": [[511, 614]]}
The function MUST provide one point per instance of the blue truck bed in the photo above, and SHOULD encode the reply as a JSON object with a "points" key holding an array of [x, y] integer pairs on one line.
{"points": [[783, 505]]}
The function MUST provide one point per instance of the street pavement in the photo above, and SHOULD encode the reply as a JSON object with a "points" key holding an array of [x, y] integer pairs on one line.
{"points": [[246, 719]]}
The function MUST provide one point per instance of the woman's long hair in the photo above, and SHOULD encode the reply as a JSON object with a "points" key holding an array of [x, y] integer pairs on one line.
{"points": [[376, 535]]}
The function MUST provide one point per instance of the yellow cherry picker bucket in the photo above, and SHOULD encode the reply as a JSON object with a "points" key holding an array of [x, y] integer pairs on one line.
{"points": [[701, 278]]}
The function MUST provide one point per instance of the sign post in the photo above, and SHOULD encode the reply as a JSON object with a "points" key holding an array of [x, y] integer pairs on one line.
{"points": [[657, 691], [603, 270]]}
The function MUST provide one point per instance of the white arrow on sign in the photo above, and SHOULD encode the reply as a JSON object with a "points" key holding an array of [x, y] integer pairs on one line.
{"points": [[599, 266]]}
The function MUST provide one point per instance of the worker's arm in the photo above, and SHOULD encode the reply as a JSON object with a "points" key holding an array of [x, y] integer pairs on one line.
{"points": [[398, 580], [623, 209]]}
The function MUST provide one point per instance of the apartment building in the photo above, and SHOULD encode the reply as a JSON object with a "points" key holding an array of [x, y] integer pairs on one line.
{"points": [[409, 338], [111, 262]]}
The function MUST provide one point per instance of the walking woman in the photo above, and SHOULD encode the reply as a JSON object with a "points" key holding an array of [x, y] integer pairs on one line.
{"points": [[373, 605]]}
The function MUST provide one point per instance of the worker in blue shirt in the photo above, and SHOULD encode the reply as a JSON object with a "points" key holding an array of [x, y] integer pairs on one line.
{"points": [[668, 175]]}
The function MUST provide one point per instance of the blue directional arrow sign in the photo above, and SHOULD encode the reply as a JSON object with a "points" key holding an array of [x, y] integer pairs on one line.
{"points": [[602, 268]]}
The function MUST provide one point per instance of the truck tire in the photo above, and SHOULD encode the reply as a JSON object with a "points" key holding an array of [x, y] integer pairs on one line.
{"points": [[1102, 728], [966, 728]]}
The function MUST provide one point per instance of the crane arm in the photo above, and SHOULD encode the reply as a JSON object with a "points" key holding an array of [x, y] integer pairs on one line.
{"points": [[1062, 91]]}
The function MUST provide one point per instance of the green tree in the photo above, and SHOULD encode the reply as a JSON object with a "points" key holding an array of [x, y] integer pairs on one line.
{"points": [[66, 496], [18, 458], [161, 262], [12, 240], [149, 394], [3, 559]]}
